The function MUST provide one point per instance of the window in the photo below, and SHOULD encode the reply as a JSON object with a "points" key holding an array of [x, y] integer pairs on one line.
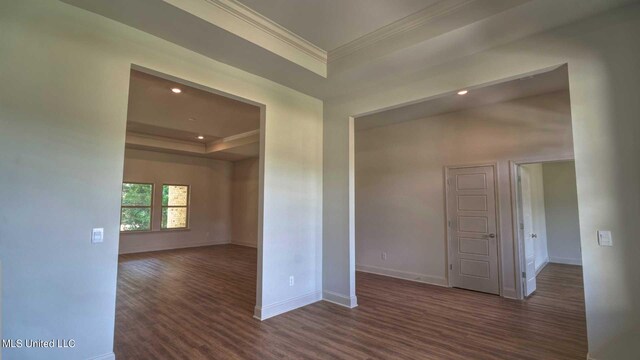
{"points": [[135, 211], [175, 206]]}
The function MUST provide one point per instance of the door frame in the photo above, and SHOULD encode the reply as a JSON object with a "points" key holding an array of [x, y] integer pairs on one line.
{"points": [[261, 164], [494, 166], [515, 213]]}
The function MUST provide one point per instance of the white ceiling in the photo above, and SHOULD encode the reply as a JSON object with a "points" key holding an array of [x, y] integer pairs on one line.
{"points": [[546, 82], [170, 122], [155, 110], [332, 23], [477, 26]]}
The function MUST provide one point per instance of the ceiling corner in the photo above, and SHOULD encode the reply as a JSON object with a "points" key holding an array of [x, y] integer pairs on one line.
{"points": [[236, 18]]}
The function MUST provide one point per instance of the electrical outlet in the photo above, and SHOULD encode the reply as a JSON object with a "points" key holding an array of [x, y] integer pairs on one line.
{"points": [[383, 256], [291, 280]]}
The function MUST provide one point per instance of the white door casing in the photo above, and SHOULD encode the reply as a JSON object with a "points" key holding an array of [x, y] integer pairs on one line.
{"points": [[526, 230], [472, 228]]}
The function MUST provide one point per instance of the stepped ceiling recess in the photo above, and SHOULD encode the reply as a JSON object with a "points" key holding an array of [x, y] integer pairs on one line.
{"points": [[329, 48], [191, 122]]}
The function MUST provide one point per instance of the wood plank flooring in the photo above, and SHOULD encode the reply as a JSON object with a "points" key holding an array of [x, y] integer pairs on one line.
{"points": [[198, 304]]}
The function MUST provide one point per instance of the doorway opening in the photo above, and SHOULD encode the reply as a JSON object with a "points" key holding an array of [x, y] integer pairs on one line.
{"points": [[433, 200], [547, 226], [190, 235], [415, 219]]}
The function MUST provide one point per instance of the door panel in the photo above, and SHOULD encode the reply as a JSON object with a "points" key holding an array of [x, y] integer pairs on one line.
{"points": [[473, 224], [475, 268], [473, 248], [472, 203], [526, 230], [471, 182]]}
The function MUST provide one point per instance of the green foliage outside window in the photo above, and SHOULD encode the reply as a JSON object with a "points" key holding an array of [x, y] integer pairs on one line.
{"points": [[136, 207]]}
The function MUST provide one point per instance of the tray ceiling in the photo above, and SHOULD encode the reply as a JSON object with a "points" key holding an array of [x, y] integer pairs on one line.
{"points": [[332, 23]]}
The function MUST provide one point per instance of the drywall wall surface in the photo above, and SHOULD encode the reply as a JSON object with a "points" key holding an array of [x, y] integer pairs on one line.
{"points": [[400, 192], [561, 203], [601, 53], [209, 184], [244, 202], [62, 154]]}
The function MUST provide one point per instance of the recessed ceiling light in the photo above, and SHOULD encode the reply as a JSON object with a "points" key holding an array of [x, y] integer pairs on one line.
{"points": [[200, 137], [463, 92], [176, 90]]}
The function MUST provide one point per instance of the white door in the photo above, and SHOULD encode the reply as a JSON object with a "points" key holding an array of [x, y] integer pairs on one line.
{"points": [[526, 230], [473, 238]]}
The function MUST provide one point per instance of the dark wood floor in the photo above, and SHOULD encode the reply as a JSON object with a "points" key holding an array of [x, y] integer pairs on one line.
{"points": [[198, 304]]}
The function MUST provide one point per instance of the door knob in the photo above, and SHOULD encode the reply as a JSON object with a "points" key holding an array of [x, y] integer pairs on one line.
{"points": [[492, 235]]}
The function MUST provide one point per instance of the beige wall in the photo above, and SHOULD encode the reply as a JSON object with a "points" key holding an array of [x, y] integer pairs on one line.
{"points": [[244, 202], [210, 199], [561, 203], [399, 178], [62, 154], [602, 54]]}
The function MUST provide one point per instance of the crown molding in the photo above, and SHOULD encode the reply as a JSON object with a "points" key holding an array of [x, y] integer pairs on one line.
{"points": [[400, 27], [250, 25], [163, 144], [270, 27], [232, 141], [244, 22], [244, 135]]}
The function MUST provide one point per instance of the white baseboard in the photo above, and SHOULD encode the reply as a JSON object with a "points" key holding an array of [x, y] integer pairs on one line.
{"points": [[339, 299], [545, 263], [241, 243], [265, 312], [110, 356], [510, 293], [568, 261], [169, 247], [426, 279]]}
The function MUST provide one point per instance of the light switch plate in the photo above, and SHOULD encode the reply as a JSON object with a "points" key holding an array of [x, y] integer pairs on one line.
{"points": [[604, 238], [97, 235]]}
